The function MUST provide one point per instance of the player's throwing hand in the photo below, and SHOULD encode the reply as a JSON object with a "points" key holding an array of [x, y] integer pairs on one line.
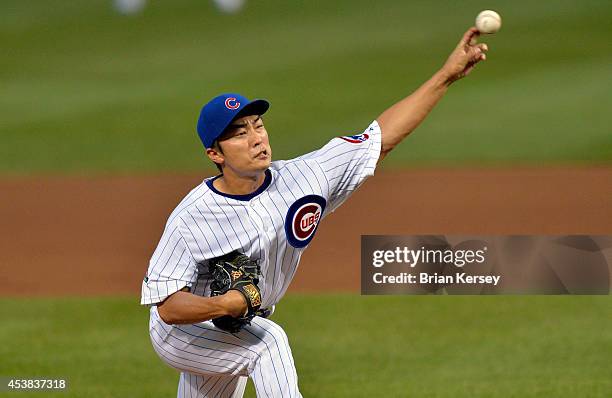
{"points": [[465, 56]]}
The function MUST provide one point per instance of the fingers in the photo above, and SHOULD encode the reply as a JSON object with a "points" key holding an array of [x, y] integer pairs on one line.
{"points": [[469, 37], [472, 64], [477, 52], [478, 56], [468, 53], [483, 48]]}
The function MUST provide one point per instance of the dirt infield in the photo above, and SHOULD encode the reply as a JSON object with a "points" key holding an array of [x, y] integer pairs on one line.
{"points": [[85, 236]]}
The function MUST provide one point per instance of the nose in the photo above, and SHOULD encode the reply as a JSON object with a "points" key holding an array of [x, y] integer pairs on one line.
{"points": [[256, 138]]}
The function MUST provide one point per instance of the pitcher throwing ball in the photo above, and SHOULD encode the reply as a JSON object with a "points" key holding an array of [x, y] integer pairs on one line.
{"points": [[232, 246]]}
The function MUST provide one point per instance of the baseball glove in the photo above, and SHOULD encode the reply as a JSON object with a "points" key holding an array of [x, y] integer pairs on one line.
{"points": [[235, 271]]}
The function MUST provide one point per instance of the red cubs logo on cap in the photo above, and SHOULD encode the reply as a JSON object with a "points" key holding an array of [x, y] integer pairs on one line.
{"points": [[355, 139], [232, 103], [303, 219]]}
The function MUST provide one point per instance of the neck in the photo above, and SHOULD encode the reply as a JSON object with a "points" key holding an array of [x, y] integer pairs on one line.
{"points": [[233, 184]]}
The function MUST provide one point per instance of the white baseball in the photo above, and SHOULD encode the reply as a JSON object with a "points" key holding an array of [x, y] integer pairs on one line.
{"points": [[488, 21]]}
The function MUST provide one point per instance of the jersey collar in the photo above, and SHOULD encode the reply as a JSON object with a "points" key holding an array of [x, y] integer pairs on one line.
{"points": [[247, 197]]}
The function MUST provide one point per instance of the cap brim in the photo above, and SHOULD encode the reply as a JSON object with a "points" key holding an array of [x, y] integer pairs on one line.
{"points": [[255, 107]]}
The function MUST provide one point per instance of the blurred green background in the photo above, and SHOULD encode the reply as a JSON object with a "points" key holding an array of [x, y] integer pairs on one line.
{"points": [[85, 89]]}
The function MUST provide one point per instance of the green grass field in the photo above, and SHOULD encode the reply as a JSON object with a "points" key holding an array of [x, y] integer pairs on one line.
{"points": [[86, 90], [344, 346]]}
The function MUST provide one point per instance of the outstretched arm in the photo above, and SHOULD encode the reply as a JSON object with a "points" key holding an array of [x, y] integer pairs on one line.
{"points": [[403, 117]]}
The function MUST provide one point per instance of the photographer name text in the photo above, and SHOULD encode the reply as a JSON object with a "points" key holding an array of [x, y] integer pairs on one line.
{"points": [[431, 256]]}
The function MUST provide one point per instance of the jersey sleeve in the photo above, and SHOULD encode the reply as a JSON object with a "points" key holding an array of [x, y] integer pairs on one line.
{"points": [[347, 162], [171, 268]]}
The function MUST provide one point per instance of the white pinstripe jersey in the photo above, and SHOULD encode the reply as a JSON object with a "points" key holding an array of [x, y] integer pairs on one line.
{"points": [[272, 225]]}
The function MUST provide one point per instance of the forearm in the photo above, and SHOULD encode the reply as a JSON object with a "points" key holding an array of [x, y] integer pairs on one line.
{"points": [[403, 117], [185, 308]]}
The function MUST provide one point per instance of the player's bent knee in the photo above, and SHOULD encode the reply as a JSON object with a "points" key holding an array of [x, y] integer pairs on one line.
{"points": [[270, 330], [279, 334], [272, 338]]}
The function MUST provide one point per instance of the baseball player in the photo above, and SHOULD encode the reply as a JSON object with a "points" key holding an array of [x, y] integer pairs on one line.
{"points": [[232, 246]]}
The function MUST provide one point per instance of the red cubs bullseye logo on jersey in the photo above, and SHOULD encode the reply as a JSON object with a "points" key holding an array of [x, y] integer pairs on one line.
{"points": [[303, 219], [356, 139], [232, 103]]}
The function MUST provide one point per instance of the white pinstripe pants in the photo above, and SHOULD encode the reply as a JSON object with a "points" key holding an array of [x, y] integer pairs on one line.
{"points": [[214, 363]]}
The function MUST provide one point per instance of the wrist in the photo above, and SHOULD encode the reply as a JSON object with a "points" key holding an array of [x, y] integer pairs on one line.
{"points": [[234, 303], [442, 79]]}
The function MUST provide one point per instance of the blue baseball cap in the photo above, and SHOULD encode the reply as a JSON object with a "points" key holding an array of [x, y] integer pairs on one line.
{"points": [[217, 114]]}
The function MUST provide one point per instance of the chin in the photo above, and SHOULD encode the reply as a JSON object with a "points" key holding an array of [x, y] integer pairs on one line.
{"points": [[258, 168], [264, 164]]}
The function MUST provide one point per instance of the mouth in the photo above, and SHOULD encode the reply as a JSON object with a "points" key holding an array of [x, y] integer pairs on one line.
{"points": [[262, 154]]}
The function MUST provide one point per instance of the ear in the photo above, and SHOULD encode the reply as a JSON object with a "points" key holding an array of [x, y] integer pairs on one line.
{"points": [[215, 155]]}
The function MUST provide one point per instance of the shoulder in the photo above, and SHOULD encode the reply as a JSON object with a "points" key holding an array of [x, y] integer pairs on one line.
{"points": [[281, 165], [292, 166], [192, 201], [344, 144]]}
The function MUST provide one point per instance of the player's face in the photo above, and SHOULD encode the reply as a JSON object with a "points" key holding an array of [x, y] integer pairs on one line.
{"points": [[245, 147]]}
